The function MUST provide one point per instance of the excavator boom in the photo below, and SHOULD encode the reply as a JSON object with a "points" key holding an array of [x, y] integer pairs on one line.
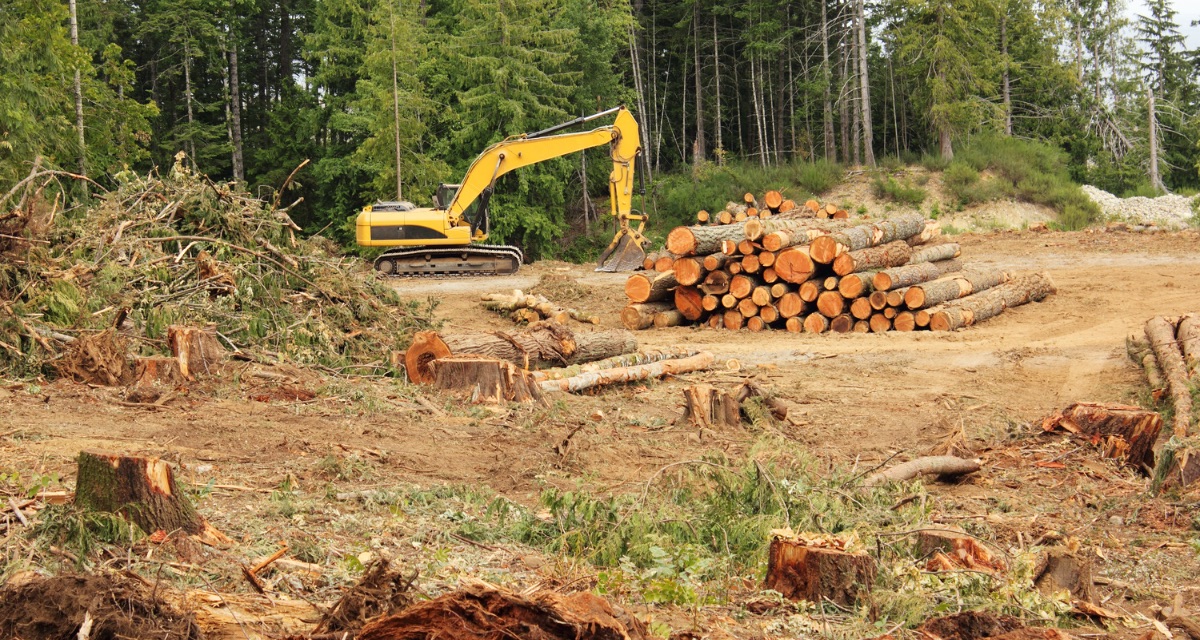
{"points": [[444, 237]]}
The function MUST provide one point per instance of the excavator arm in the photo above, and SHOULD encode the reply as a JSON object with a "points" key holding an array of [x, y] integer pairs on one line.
{"points": [[626, 250]]}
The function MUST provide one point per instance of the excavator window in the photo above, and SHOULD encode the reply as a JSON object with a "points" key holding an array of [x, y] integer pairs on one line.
{"points": [[445, 195]]}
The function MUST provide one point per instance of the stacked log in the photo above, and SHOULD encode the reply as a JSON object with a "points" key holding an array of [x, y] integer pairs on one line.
{"points": [[796, 272]]}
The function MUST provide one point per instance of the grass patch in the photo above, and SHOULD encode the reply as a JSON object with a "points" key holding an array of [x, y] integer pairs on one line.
{"points": [[900, 192]]}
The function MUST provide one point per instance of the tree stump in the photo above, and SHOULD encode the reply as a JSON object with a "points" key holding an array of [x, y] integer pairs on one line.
{"points": [[485, 379], [156, 371], [950, 550], [802, 572], [1178, 464], [1125, 432], [197, 350], [1063, 570], [706, 406], [141, 490], [98, 358]]}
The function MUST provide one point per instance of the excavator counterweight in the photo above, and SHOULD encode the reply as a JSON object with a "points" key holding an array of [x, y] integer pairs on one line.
{"points": [[448, 238]]}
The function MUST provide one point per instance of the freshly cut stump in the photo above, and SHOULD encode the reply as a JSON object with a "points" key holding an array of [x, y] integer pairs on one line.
{"points": [[426, 347], [1123, 431], [141, 490], [706, 406], [485, 379], [1062, 570], [197, 350], [815, 574]]}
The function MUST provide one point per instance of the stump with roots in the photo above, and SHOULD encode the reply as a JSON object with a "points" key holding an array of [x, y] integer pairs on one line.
{"points": [[143, 491]]}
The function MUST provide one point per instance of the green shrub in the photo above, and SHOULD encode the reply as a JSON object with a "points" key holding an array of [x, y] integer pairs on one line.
{"points": [[1073, 217], [677, 197], [1142, 189], [890, 189], [818, 177], [959, 175], [934, 162]]}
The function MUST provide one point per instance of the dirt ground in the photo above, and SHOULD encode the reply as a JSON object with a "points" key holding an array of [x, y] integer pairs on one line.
{"points": [[856, 399]]}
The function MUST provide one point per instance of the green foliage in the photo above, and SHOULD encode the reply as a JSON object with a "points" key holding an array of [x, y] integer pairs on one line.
{"points": [[888, 188], [678, 197], [82, 531]]}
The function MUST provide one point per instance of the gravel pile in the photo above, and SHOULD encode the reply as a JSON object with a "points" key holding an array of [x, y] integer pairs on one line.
{"points": [[1170, 212]]}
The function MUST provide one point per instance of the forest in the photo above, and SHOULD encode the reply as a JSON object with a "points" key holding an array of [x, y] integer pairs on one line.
{"points": [[387, 98]]}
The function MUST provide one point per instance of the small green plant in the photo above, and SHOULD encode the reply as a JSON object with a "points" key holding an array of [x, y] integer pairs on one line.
{"points": [[935, 211], [890, 189], [82, 531]]}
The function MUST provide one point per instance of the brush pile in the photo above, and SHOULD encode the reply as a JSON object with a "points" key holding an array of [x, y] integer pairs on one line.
{"points": [[182, 250], [813, 269]]}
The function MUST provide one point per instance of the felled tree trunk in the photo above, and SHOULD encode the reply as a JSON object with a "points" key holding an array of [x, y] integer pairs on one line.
{"points": [[636, 317], [913, 273], [700, 361], [825, 248], [1123, 431], [929, 465], [541, 345], [624, 360], [688, 241], [650, 287], [892, 254], [1140, 352], [486, 380], [1189, 342], [141, 490], [981, 306], [802, 572], [706, 406], [1161, 335], [936, 253], [197, 350], [1178, 464], [955, 286]]}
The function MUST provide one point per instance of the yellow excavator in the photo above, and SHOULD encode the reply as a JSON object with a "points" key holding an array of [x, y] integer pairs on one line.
{"points": [[446, 240]]}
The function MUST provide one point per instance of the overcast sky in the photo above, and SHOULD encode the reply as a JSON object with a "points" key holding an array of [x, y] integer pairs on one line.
{"points": [[1185, 12]]}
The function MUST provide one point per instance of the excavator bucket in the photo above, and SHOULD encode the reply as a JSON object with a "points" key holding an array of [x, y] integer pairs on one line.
{"points": [[624, 253]]}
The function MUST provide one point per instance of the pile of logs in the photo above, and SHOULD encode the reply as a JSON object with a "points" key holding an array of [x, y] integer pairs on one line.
{"points": [[1170, 356], [797, 271], [524, 308]]}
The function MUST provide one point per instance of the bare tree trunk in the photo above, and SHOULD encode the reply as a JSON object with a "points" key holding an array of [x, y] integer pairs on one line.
{"points": [[1007, 88], [843, 111], [778, 118], [1155, 178], [187, 97], [235, 104], [78, 97], [681, 139], [868, 136], [827, 78], [895, 107], [396, 109], [737, 85], [700, 151], [640, 88], [791, 87], [717, 77], [756, 100]]}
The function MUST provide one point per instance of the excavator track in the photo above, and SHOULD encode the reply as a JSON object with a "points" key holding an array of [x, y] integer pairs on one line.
{"points": [[449, 262]]}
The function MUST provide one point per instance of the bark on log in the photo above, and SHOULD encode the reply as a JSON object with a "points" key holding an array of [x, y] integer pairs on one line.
{"points": [[831, 304], [987, 304], [913, 273], [636, 317], [884, 256], [952, 287], [690, 302], [825, 248], [669, 318], [1178, 464], [1160, 332], [794, 265], [714, 261], [705, 406], [646, 287], [802, 572], [1188, 335], [689, 271], [141, 490], [688, 241], [541, 345], [485, 380], [1140, 352], [1122, 431], [649, 260], [929, 465], [662, 368], [624, 360], [936, 253], [932, 229], [787, 232], [856, 285], [197, 350]]}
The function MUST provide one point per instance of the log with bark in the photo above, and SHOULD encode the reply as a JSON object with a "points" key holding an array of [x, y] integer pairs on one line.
{"points": [[636, 317], [1140, 352], [624, 360], [485, 380], [1122, 431], [616, 375], [689, 241], [1188, 335], [544, 308], [650, 287], [1160, 333], [981, 306], [825, 248], [884, 256], [802, 571], [143, 491], [943, 466], [540, 345], [913, 273], [953, 286], [936, 253]]}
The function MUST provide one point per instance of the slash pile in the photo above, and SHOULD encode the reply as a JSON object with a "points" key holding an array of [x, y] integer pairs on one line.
{"points": [[791, 268]]}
